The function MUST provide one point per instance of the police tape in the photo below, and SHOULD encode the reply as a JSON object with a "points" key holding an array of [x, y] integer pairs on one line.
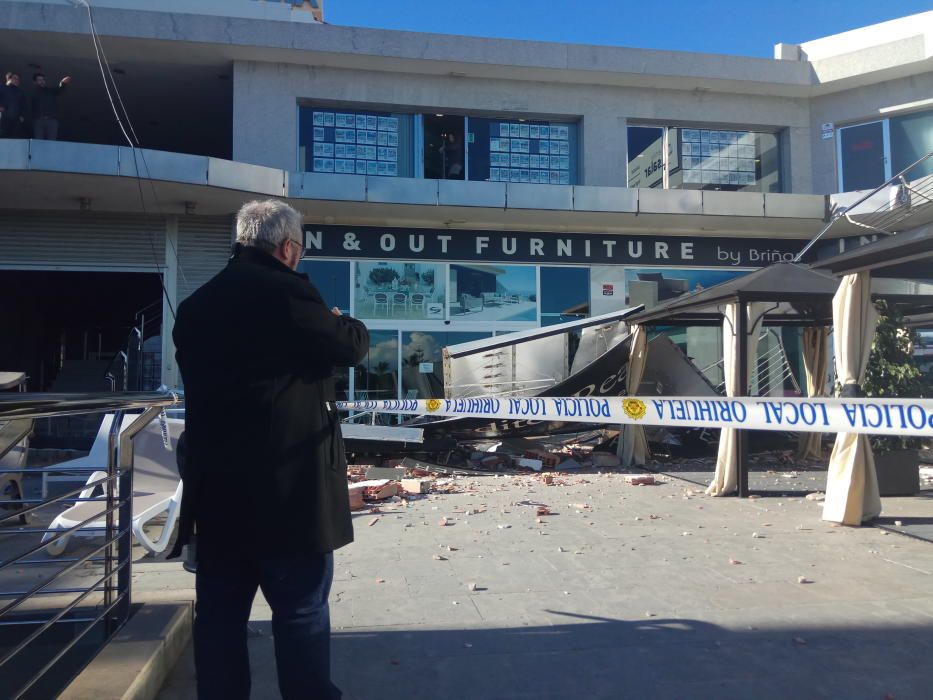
{"points": [[874, 416]]}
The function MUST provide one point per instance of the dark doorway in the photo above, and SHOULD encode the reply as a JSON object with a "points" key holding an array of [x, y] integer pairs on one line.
{"points": [[83, 319], [443, 147]]}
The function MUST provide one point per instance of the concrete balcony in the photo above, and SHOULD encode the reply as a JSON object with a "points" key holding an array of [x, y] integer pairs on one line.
{"points": [[60, 175]]}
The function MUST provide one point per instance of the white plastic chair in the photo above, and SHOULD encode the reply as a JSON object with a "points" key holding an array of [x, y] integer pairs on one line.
{"points": [[157, 489]]}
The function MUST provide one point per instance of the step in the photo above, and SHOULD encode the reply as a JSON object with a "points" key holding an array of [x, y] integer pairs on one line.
{"points": [[136, 662]]}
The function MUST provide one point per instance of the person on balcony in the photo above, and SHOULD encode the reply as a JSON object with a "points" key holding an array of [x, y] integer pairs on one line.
{"points": [[452, 153], [265, 469], [45, 107], [12, 108]]}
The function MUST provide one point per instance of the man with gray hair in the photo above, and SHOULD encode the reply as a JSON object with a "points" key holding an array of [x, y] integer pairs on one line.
{"points": [[265, 470]]}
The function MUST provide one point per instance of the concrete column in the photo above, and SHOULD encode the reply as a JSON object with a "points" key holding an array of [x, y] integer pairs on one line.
{"points": [[604, 149], [265, 112], [170, 376]]}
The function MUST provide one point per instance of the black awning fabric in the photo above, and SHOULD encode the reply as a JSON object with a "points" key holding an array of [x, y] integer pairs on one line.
{"points": [[907, 255]]}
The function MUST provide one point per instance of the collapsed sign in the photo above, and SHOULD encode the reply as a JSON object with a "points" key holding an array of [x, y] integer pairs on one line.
{"points": [[874, 416]]}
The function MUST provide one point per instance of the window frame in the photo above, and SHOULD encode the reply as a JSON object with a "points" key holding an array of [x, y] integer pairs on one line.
{"points": [[779, 134], [886, 148]]}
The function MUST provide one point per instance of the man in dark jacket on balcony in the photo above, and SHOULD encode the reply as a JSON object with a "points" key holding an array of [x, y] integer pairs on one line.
{"points": [[45, 107], [265, 473], [13, 108]]}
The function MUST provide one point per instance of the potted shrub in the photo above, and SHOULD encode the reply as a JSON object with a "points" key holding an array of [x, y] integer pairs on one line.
{"points": [[382, 276], [892, 372]]}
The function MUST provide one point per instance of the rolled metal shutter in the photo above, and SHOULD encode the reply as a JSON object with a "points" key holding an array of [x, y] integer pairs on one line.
{"points": [[81, 241], [203, 249]]}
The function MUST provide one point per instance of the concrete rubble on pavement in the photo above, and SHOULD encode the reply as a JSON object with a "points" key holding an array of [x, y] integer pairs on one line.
{"points": [[582, 583]]}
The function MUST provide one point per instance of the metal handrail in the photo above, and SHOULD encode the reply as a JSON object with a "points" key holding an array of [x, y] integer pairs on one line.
{"points": [[82, 614]]}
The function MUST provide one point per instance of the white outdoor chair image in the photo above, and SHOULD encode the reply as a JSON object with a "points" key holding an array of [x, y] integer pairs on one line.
{"points": [[399, 299], [418, 301], [157, 489], [380, 299]]}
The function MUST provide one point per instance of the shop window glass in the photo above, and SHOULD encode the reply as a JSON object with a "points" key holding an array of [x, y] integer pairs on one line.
{"points": [[376, 377], [352, 141], [645, 156], [423, 361], [493, 293], [652, 286], [512, 150], [332, 280], [444, 147], [864, 166], [565, 294], [715, 159], [399, 290], [704, 159], [911, 139]]}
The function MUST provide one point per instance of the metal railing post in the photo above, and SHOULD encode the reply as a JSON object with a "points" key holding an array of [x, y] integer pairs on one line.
{"points": [[113, 439], [125, 454]]}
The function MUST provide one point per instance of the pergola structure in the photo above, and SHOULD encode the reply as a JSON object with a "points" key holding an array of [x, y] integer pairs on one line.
{"points": [[852, 482], [785, 294]]}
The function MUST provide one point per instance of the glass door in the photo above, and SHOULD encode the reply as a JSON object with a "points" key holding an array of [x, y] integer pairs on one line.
{"points": [[863, 157]]}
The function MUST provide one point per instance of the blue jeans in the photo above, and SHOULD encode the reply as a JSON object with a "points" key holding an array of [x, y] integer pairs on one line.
{"points": [[296, 588]]}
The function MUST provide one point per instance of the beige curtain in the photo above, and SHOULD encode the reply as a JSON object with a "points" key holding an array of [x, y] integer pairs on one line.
{"points": [[634, 443], [725, 480], [852, 482], [816, 366]]}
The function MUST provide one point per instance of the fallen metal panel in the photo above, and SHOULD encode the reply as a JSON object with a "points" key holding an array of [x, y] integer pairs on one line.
{"points": [[672, 372], [498, 341]]}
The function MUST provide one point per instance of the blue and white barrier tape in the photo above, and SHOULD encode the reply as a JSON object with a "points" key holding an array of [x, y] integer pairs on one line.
{"points": [[874, 416]]}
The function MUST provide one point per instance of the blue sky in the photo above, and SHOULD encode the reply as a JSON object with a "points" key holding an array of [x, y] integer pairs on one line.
{"points": [[738, 28]]}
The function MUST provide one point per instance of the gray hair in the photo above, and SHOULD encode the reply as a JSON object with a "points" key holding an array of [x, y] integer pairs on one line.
{"points": [[265, 224]]}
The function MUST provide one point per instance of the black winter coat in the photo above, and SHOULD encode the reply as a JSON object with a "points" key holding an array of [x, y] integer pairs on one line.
{"points": [[265, 464], [45, 101]]}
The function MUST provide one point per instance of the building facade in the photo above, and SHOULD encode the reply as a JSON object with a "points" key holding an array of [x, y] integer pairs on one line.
{"points": [[452, 187]]}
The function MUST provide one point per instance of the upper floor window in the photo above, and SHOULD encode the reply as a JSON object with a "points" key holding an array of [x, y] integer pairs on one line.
{"points": [[698, 158], [518, 150], [871, 153], [356, 142], [459, 147], [437, 146]]}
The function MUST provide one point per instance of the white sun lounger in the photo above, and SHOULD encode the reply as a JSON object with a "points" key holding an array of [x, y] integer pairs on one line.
{"points": [[95, 459], [157, 489]]}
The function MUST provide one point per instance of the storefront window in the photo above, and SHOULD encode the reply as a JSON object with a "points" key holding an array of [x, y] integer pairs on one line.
{"points": [[423, 361], [518, 150], [399, 290], [356, 142], [565, 294], [376, 377], [651, 286], [493, 293], [704, 159], [332, 280]]}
